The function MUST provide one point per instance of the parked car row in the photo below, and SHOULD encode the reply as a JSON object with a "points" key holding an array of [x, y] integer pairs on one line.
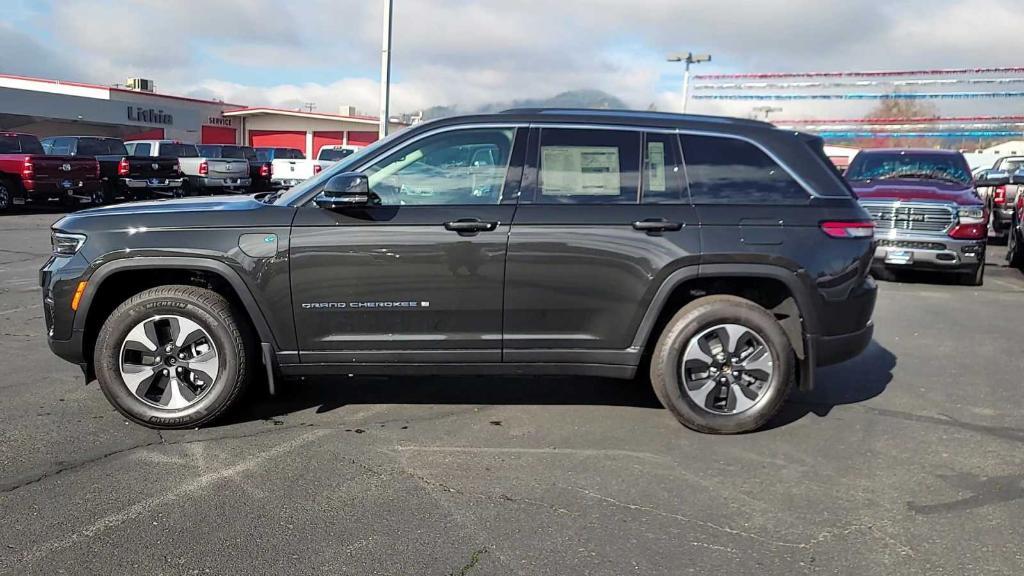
{"points": [[99, 170]]}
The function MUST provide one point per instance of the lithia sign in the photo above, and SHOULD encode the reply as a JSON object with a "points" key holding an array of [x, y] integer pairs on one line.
{"points": [[149, 116]]}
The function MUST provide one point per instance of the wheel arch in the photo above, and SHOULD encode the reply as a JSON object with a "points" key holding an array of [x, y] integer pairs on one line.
{"points": [[148, 272]]}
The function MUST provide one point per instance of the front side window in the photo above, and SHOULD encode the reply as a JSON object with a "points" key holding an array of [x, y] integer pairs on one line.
{"points": [[451, 168], [731, 171], [580, 166]]}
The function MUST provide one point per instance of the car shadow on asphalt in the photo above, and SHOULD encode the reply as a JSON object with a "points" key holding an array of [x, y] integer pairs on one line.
{"points": [[328, 393], [851, 382]]}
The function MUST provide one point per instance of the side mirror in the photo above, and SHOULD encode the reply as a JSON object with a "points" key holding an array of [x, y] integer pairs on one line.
{"points": [[993, 178], [344, 191]]}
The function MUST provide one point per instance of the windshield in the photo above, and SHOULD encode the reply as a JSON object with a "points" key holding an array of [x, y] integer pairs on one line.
{"points": [[1012, 165], [334, 154], [100, 146], [341, 167], [909, 166]]}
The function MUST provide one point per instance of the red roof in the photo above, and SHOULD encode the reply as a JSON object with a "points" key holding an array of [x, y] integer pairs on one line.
{"points": [[329, 115]]}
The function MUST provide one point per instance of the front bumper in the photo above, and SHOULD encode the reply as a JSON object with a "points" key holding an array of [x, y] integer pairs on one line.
{"points": [[156, 183], [928, 252]]}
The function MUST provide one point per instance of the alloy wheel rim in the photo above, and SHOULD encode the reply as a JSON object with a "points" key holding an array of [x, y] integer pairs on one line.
{"points": [[169, 362], [726, 369]]}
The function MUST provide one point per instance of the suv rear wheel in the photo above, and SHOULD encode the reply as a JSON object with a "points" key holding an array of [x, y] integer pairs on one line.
{"points": [[173, 357], [723, 365]]}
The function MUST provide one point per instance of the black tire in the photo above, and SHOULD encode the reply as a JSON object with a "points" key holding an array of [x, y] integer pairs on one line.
{"points": [[691, 321], [103, 195], [236, 354], [186, 189], [1015, 249], [976, 276], [882, 273], [6, 195]]}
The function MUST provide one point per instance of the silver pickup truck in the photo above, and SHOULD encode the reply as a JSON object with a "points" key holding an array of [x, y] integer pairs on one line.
{"points": [[999, 187], [205, 175]]}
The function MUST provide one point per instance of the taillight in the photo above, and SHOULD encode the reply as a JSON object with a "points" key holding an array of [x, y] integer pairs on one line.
{"points": [[123, 167], [972, 223], [266, 171], [204, 168], [28, 170], [999, 197], [849, 229], [97, 169], [317, 168]]}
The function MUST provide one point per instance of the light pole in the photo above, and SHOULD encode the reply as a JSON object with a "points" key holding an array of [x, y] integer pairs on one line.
{"points": [[385, 71], [688, 58], [766, 110]]}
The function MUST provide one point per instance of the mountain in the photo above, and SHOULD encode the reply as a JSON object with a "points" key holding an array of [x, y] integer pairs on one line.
{"points": [[587, 98]]}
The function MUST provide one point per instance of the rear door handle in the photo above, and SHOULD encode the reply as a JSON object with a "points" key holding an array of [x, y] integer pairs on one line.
{"points": [[657, 225], [470, 226]]}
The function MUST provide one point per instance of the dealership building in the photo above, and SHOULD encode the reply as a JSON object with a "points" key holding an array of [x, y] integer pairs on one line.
{"points": [[56, 108]]}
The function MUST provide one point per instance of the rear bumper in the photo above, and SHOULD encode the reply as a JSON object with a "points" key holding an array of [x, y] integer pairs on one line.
{"points": [[46, 190], [1001, 218], [927, 252], [139, 183], [223, 182]]}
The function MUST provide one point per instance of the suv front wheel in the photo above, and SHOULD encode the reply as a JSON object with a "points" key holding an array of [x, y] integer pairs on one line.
{"points": [[723, 365], [173, 357]]}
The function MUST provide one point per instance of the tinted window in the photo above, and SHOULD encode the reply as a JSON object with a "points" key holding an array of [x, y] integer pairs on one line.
{"points": [[334, 154], [58, 146], [906, 165], [264, 155], [731, 171], [30, 144], [179, 150], [231, 152], [588, 166], [9, 145], [99, 147], [248, 153], [662, 177], [140, 149], [288, 154], [209, 151], [458, 167]]}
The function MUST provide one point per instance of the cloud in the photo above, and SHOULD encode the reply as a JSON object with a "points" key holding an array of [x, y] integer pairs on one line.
{"points": [[457, 52]]}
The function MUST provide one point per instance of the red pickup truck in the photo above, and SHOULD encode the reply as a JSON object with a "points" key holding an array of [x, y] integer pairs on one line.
{"points": [[27, 175]]}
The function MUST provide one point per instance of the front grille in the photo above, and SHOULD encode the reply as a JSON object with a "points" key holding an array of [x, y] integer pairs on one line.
{"points": [[912, 217], [911, 245]]}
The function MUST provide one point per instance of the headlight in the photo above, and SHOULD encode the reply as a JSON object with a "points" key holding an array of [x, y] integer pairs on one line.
{"points": [[972, 215], [65, 244]]}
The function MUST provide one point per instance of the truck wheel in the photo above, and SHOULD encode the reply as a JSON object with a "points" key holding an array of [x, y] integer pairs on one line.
{"points": [[723, 365], [6, 195], [976, 277], [1014, 250], [102, 195], [173, 357]]}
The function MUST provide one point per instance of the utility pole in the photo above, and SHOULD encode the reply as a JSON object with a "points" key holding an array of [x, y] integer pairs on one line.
{"points": [[688, 58], [385, 71]]}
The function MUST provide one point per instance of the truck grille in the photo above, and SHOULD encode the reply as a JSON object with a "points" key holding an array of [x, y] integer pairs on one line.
{"points": [[912, 217]]}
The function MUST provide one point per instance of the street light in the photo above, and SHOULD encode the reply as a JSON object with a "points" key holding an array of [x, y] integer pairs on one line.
{"points": [[766, 110], [688, 58], [385, 71]]}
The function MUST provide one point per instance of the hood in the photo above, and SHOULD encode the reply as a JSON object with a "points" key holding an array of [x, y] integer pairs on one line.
{"points": [[926, 190], [203, 212]]}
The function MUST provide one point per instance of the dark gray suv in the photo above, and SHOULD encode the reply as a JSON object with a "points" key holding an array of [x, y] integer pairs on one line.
{"points": [[723, 257]]}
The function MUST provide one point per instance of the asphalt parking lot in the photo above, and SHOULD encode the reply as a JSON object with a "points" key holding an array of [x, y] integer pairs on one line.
{"points": [[907, 460]]}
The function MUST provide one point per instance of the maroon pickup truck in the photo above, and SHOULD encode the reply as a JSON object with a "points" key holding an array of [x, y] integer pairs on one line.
{"points": [[27, 175], [927, 212]]}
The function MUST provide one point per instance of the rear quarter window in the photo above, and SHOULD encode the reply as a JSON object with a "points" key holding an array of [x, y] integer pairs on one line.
{"points": [[731, 171]]}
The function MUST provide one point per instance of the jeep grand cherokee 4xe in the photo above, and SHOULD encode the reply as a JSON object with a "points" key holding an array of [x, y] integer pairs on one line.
{"points": [[724, 258]]}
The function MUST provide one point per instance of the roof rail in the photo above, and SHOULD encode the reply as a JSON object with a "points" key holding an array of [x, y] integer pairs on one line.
{"points": [[639, 114]]}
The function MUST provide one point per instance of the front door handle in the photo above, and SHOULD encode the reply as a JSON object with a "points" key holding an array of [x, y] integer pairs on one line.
{"points": [[654, 225], [470, 226]]}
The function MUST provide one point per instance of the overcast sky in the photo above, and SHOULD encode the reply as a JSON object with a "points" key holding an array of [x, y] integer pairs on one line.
{"points": [[460, 52]]}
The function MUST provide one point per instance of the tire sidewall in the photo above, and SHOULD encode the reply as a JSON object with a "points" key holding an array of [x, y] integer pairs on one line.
{"points": [[108, 349], [695, 319]]}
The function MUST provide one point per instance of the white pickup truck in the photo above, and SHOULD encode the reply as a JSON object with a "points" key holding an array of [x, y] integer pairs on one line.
{"points": [[205, 175], [290, 166], [332, 153]]}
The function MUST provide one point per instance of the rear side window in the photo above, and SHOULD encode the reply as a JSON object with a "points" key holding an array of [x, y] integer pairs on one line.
{"points": [[588, 166], [30, 145], [730, 171], [9, 145], [662, 176]]}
